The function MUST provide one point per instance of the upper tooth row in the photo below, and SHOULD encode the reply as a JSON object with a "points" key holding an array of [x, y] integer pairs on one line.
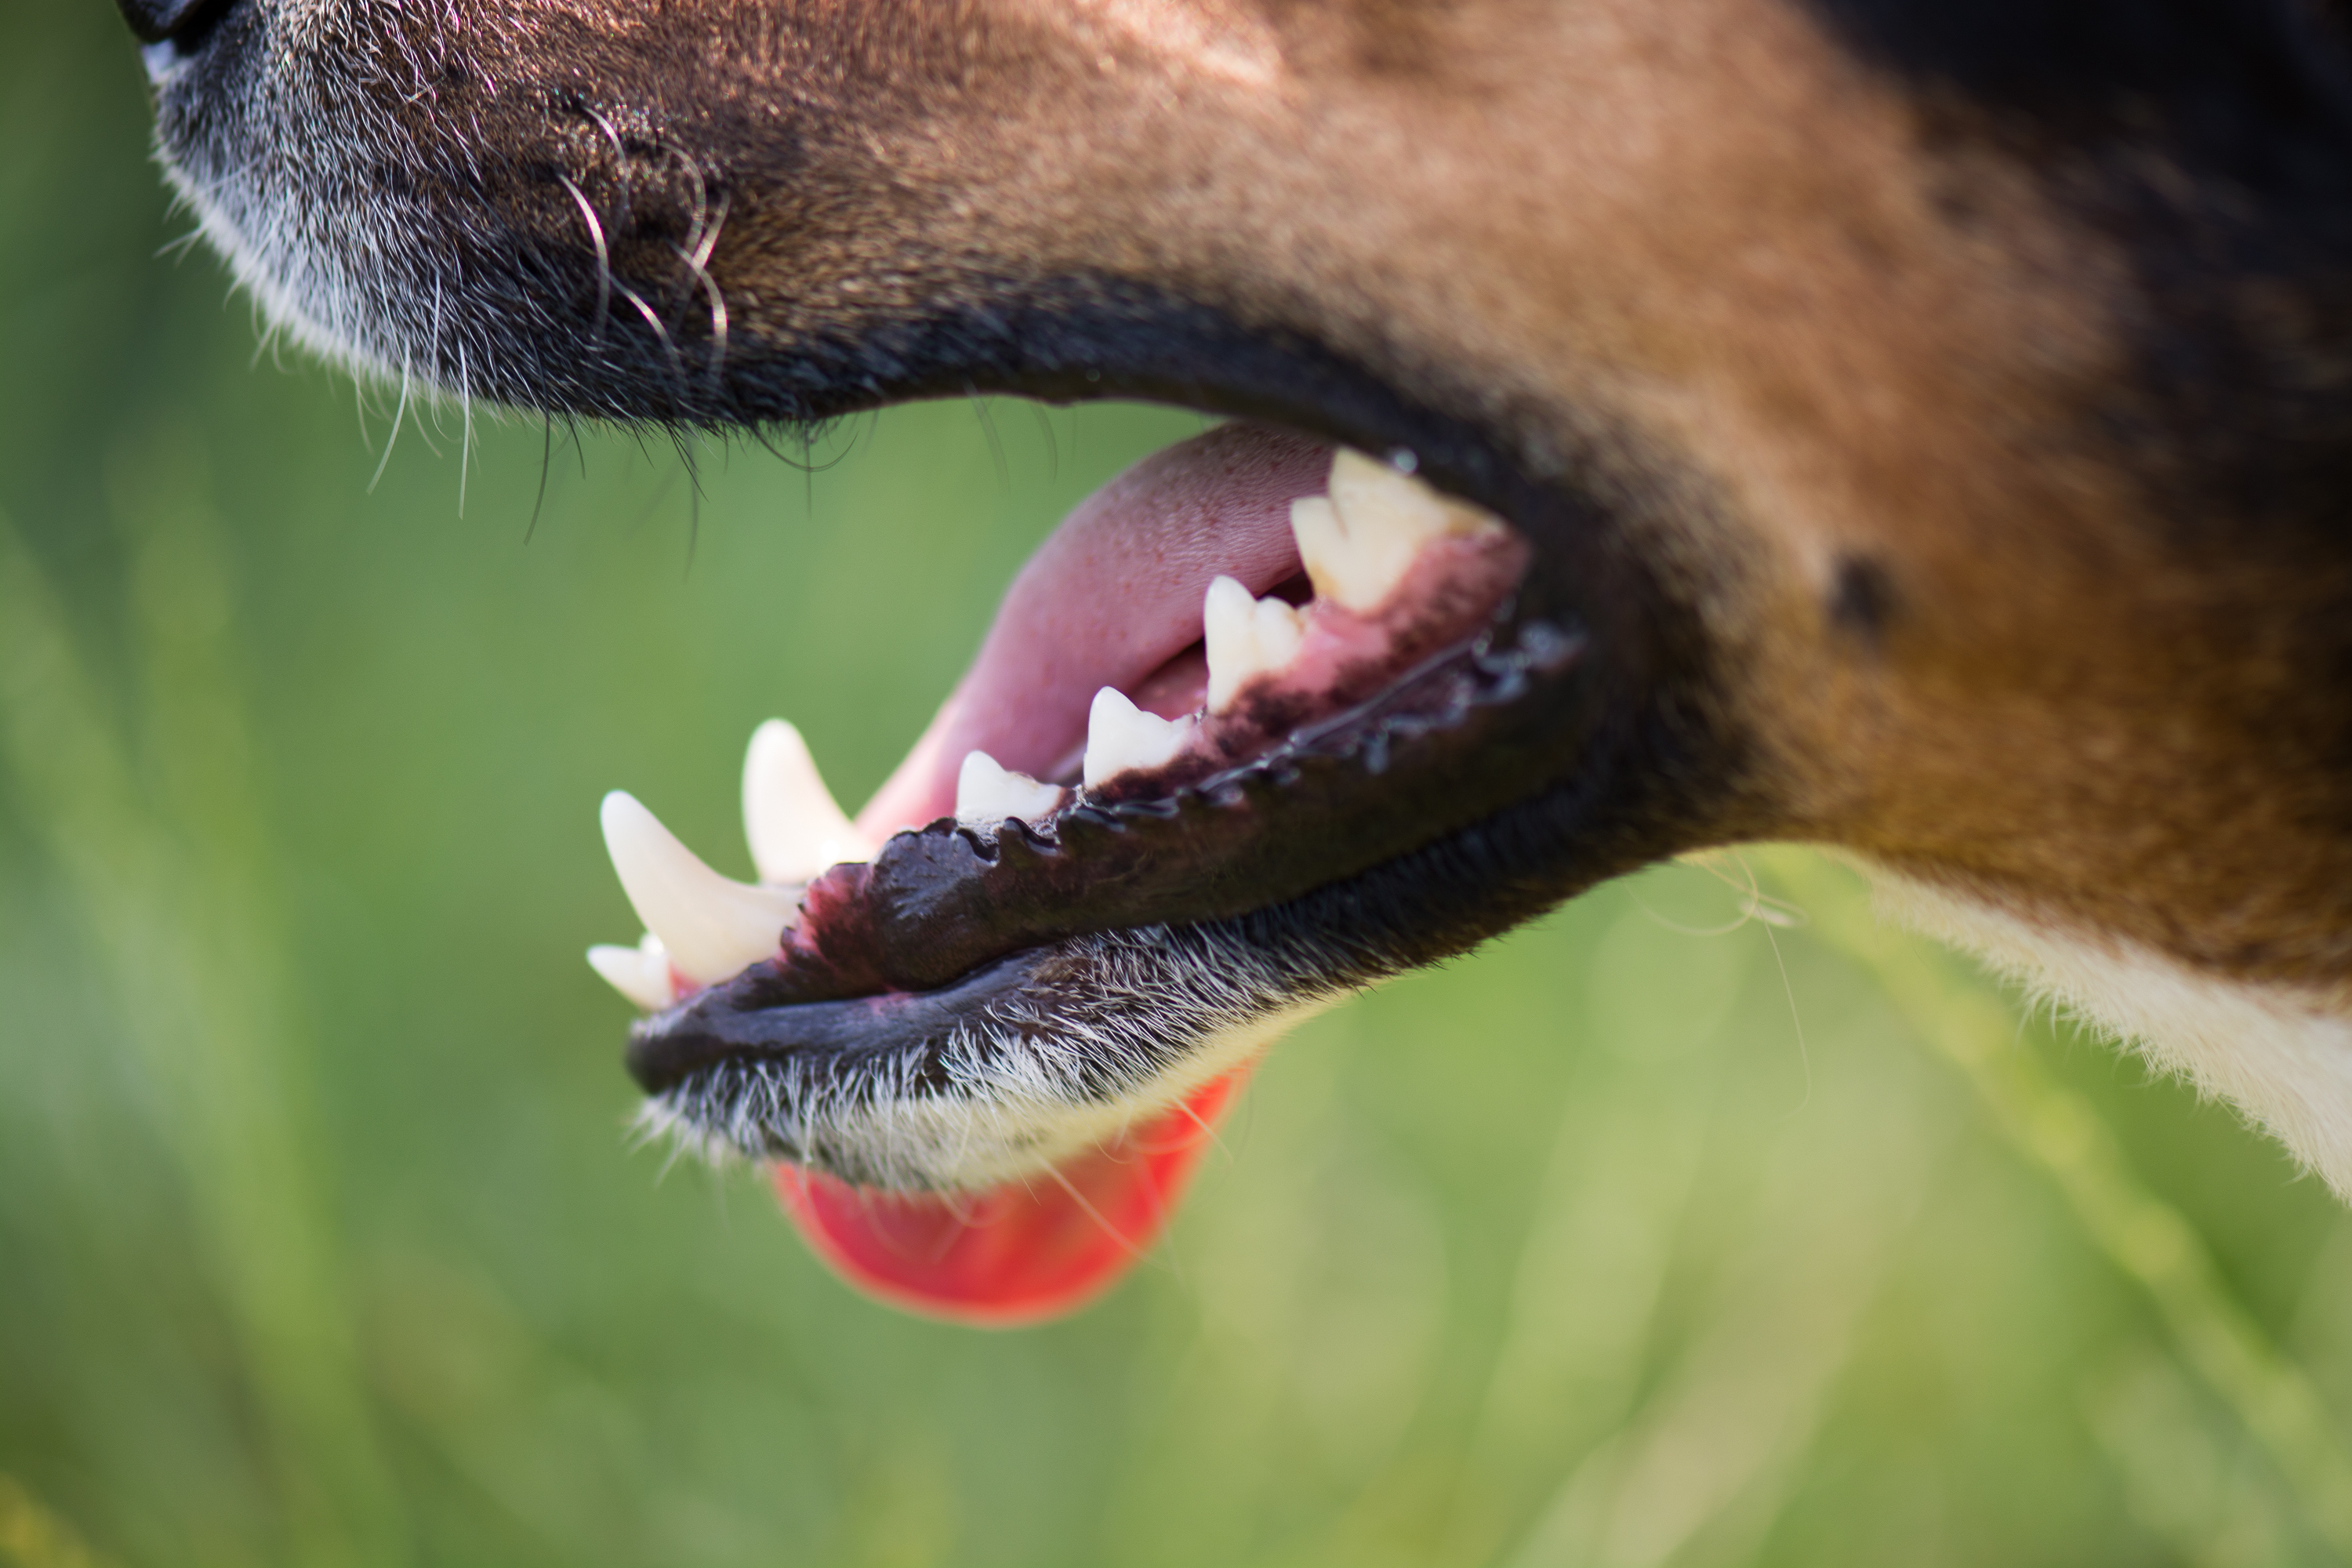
{"points": [[1358, 543]]}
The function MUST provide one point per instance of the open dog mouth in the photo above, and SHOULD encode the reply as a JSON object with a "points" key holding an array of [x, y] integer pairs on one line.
{"points": [[989, 1024]]}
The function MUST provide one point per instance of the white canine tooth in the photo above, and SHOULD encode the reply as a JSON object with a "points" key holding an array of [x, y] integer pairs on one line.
{"points": [[794, 826], [987, 793], [1359, 542], [1245, 638], [640, 973], [1120, 736], [712, 925]]}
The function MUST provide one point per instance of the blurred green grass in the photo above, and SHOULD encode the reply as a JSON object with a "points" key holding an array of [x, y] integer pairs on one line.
{"points": [[1653, 1233]]}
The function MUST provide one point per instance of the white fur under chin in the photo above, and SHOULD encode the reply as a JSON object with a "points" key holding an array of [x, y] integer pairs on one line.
{"points": [[2282, 1055]]}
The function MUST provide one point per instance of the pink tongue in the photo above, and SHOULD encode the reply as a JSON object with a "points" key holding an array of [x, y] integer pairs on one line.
{"points": [[1107, 601], [1019, 1254]]}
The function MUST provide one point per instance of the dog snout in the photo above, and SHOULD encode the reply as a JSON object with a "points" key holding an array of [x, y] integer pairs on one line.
{"points": [[182, 23]]}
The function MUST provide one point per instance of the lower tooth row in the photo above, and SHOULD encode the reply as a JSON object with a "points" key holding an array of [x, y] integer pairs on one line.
{"points": [[710, 925], [702, 927], [795, 827], [642, 973], [987, 793], [1245, 638], [1121, 737], [1358, 543]]}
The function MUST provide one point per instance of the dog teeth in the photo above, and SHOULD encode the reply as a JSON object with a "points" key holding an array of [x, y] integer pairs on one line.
{"points": [[1245, 638], [1121, 736], [640, 973], [794, 826], [1359, 542], [711, 925], [987, 793]]}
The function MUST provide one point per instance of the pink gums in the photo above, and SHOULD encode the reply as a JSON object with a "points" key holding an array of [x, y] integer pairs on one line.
{"points": [[1109, 600]]}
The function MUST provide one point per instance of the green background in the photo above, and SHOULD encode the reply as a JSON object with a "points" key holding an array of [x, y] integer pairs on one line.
{"points": [[1654, 1234]]}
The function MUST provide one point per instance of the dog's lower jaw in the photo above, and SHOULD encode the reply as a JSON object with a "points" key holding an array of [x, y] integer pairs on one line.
{"points": [[2282, 1054], [1006, 1094]]}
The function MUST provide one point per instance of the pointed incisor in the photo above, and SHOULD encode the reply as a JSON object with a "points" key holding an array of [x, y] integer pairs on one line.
{"points": [[1245, 638], [987, 793], [712, 925], [795, 827], [641, 973], [1359, 542], [1120, 736]]}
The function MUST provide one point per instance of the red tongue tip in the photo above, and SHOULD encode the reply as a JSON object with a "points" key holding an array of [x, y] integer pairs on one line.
{"points": [[1021, 1253]]}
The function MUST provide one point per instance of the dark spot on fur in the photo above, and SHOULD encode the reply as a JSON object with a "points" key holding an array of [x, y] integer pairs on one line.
{"points": [[1862, 602]]}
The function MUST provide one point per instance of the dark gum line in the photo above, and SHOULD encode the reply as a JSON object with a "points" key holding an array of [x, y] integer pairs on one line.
{"points": [[1451, 623], [765, 1013]]}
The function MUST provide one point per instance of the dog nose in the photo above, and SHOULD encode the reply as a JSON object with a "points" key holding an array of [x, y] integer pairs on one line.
{"points": [[157, 20]]}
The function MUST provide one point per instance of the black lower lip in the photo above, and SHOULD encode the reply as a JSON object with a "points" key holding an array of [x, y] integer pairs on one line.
{"points": [[1647, 781], [895, 955], [734, 1020], [1490, 722]]}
